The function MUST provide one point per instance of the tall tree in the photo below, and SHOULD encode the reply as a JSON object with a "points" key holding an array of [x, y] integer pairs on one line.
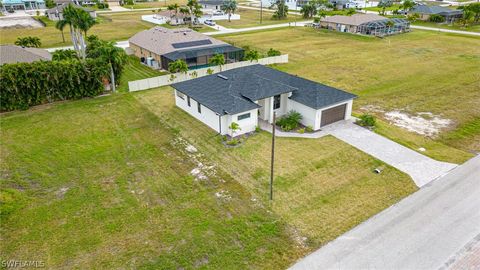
{"points": [[281, 9], [309, 10], [109, 53], [60, 25], [178, 65], [174, 7], [61, 55], [229, 7], [475, 9], [407, 5], [194, 10], [28, 42], [384, 4]]}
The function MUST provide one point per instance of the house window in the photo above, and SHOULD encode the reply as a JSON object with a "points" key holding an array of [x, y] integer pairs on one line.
{"points": [[180, 95], [243, 116], [276, 102], [199, 107], [188, 101]]}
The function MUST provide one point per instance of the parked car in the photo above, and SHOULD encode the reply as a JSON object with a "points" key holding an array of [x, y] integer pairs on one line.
{"points": [[218, 12], [209, 22]]}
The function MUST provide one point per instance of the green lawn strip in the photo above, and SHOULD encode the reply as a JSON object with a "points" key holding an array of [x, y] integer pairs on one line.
{"points": [[466, 136], [416, 77], [101, 183], [470, 28], [323, 187], [251, 18], [134, 70]]}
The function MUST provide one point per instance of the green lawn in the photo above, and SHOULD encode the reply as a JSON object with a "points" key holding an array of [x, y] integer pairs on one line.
{"points": [[420, 71], [134, 70], [393, 7], [155, 4], [471, 28], [251, 18], [103, 183]]}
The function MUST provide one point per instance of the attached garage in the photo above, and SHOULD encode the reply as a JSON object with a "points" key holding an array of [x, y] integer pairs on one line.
{"points": [[333, 115]]}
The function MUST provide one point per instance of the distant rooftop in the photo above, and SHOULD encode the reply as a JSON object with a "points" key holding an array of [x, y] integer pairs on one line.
{"points": [[10, 54], [426, 9], [162, 40], [60, 8]]}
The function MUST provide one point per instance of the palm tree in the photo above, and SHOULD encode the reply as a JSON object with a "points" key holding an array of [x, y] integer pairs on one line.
{"points": [[308, 10], [61, 55], [60, 25], [252, 55], [114, 56], [28, 42], [384, 4], [407, 5], [281, 10], [178, 65], [194, 9], [217, 60], [229, 7]]}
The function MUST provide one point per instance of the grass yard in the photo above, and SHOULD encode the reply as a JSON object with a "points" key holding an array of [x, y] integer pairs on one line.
{"points": [[155, 4], [112, 26], [379, 9], [134, 70], [323, 187], [471, 28], [103, 183], [416, 72], [251, 18]]}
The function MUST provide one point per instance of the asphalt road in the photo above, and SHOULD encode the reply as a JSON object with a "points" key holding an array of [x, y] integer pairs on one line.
{"points": [[435, 228]]}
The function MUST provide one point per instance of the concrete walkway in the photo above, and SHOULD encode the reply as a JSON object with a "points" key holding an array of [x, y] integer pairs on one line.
{"points": [[437, 227], [445, 30], [421, 168]]}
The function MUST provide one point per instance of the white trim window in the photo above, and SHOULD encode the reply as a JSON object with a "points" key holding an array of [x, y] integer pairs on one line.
{"points": [[243, 116], [276, 102], [180, 95]]}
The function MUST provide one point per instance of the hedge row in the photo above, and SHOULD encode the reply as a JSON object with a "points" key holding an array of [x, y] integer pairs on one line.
{"points": [[27, 84]]}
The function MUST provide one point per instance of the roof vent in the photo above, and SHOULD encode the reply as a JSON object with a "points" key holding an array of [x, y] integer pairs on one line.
{"points": [[221, 76], [184, 33]]}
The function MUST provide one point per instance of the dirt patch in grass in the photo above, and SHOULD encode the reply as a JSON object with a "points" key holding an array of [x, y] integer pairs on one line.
{"points": [[423, 123]]}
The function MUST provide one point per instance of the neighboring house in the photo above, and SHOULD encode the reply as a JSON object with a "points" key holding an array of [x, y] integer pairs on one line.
{"points": [[245, 95], [211, 4], [10, 54], [167, 16], [76, 2], [425, 11], [159, 46], [366, 24], [56, 13], [22, 4]]}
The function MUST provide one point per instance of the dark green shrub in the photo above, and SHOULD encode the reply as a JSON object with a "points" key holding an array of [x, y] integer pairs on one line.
{"points": [[366, 120], [232, 142], [309, 129], [290, 121], [273, 52], [436, 18], [301, 131], [27, 84]]}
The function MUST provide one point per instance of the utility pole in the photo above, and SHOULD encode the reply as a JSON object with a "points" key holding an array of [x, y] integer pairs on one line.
{"points": [[261, 11], [273, 157]]}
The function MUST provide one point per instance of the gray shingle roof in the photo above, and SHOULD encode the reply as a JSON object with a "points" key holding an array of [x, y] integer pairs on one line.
{"points": [[246, 85], [10, 54], [425, 9]]}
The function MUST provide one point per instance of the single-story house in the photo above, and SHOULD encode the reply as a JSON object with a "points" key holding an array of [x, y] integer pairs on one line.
{"points": [[159, 46], [22, 4], [425, 11], [56, 13], [169, 16], [246, 94], [211, 4], [10, 54], [366, 24], [75, 2]]}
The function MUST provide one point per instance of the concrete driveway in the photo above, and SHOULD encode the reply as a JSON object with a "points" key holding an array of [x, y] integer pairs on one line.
{"points": [[438, 227], [421, 168]]}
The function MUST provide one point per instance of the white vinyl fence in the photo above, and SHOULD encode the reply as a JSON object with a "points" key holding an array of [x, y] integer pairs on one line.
{"points": [[192, 74]]}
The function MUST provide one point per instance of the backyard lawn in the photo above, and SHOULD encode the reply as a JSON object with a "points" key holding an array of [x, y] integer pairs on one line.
{"points": [[155, 4], [470, 28], [251, 18], [419, 72], [107, 183], [134, 70]]}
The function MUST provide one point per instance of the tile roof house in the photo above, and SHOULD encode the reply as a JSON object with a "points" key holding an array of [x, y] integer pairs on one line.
{"points": [[56, 13], [244, 95], [425, 11], [159, 46], [10, 54], [365, 24]]}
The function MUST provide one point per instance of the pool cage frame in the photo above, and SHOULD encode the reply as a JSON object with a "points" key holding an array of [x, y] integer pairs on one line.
{"points": [[382, 28]]}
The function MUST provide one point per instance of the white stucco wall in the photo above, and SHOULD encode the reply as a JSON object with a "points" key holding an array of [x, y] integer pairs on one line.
{"points": [[211, 119], [309, 115], [207, 116]]}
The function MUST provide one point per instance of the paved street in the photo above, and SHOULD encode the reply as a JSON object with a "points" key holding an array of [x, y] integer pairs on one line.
{"points": [[437, 227]]}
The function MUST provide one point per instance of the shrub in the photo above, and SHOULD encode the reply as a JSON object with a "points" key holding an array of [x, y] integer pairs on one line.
{"points": [[301, 131], [209, 71], [366, 120], [309, 129], [273, 52], [436, 18], [27, 84], [232, 142], [257, 129], [290, 121]]}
